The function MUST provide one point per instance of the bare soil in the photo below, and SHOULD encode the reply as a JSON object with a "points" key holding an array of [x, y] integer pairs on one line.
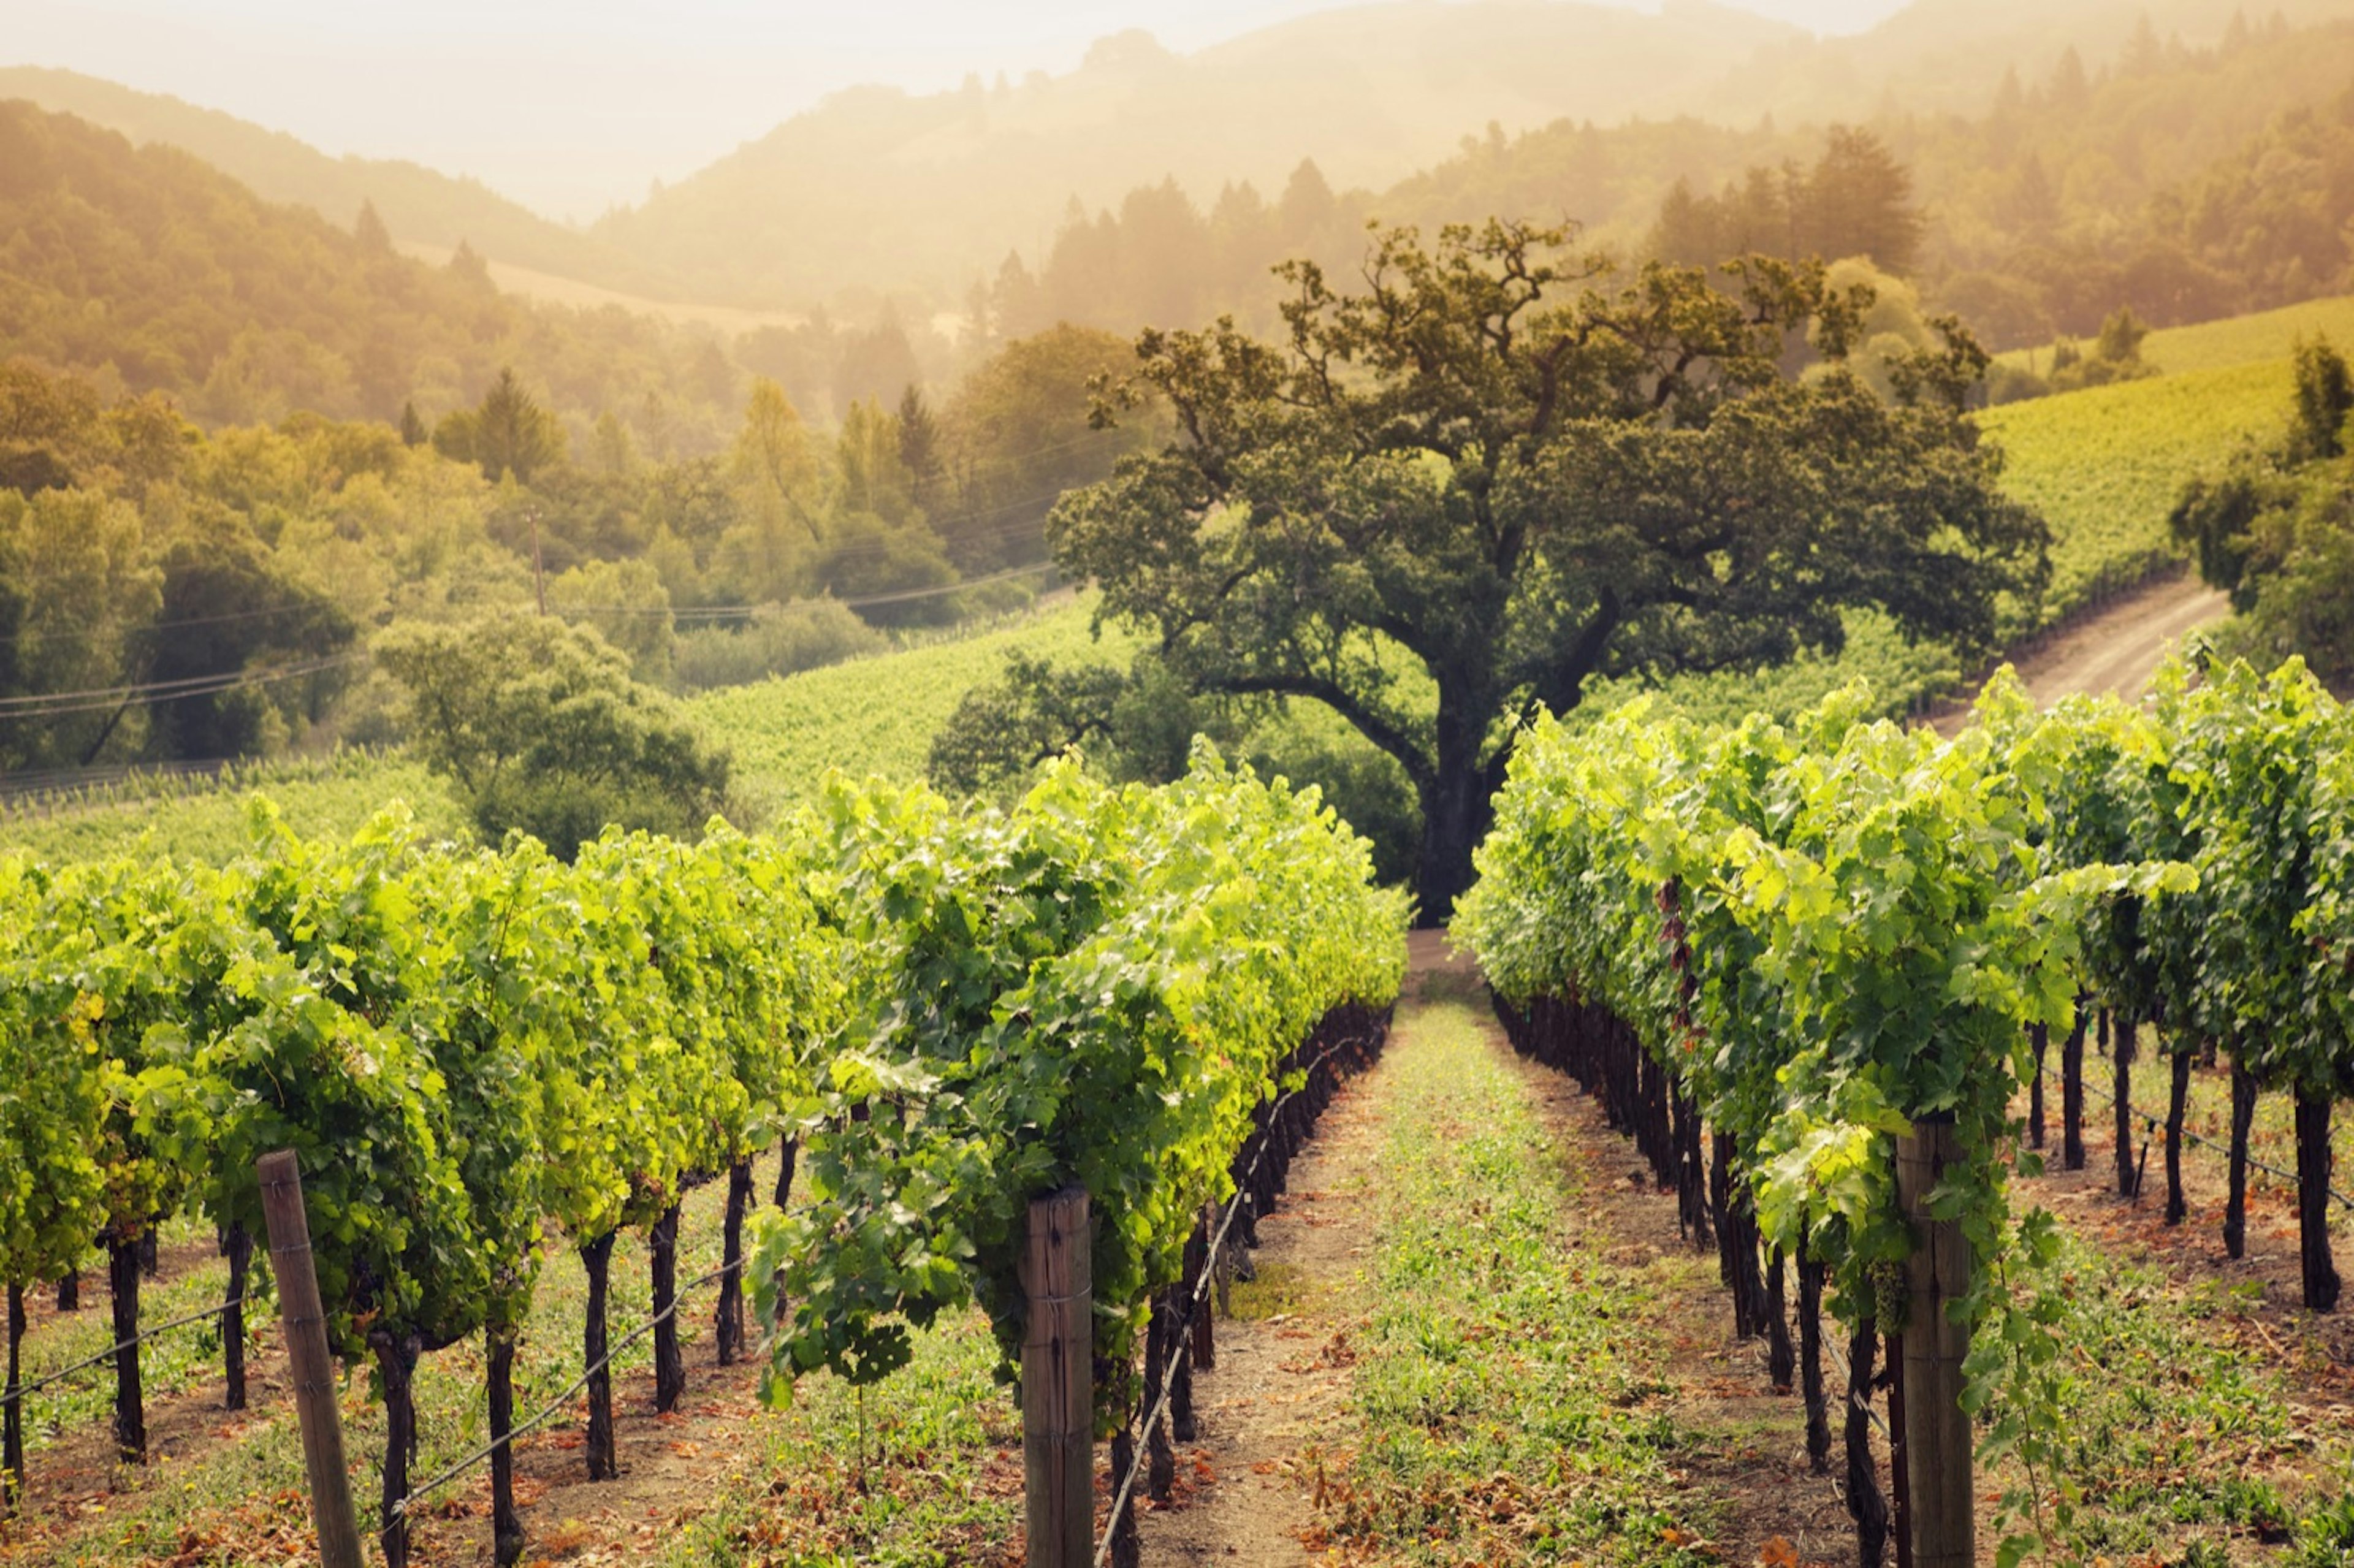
{"points": [[1278, 1397], [2262, 1303], [2115, 650]]}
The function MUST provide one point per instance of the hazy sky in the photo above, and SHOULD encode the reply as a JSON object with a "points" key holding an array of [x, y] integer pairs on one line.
{"points": [[573, 104]]}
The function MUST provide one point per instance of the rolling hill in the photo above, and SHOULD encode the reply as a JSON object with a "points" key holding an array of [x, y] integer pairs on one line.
{"points": [[927, 191], [878, 191], [419, 205], [877, 188], [146, 268]]}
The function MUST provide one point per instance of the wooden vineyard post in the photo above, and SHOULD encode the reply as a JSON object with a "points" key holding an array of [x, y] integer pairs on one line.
{"points": [[305, 1322], [1936, 1430], [1059, 1381]]}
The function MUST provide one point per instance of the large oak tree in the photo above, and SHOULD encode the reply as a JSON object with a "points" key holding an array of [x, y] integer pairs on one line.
{"points": [[1498, 470]]}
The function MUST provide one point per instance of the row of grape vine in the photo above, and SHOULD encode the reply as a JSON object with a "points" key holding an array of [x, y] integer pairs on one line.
{"points": [[1784, 952], [939, 1012]]}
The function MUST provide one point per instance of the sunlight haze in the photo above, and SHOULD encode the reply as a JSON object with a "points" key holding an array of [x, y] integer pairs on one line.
{"points": [[574, 108]]}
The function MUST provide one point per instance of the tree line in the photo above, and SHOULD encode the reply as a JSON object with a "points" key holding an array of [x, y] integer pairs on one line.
{"points": [[2182, 184], [168, 591]]}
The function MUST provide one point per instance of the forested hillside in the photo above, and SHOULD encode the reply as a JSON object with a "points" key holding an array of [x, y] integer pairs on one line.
{"points": [[418, 205], [146, 268], [929, 192], [878, 188], [169, 592], [2186, 182], [2066, 160]]}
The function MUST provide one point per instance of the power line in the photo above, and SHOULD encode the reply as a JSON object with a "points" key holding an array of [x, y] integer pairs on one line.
{"points": [[57, 705], [224, 620]]}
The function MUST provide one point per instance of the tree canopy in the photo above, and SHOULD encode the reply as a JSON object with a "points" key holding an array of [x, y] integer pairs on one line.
{"points": [[1503, 468], [540, 727], [2275, 529]]}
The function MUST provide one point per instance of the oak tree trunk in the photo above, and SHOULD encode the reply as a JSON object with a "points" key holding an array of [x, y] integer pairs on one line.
{"points": [[1457, 811]]}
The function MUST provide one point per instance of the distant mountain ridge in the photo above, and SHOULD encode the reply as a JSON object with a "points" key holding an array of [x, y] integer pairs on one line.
{"points": [[419, 206], [143, 269], [936, 188], [878, 193]]}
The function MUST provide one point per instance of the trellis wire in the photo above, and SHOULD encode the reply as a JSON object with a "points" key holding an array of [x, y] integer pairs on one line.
{"points": [[1201, 1290], [18, 1394], [452, 1472]]}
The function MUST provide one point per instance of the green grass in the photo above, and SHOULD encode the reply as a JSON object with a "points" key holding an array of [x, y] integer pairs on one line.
{"points": [[2182, 1438], [2221, 344], [940, 1484], [1505, 1392], [2246, 340], [2234, 340]]}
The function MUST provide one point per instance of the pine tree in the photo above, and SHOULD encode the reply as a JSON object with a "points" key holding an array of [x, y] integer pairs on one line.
{"points": [[369, 230], [2071, 87], [920, 445], [513, 434], [1859, 202]]}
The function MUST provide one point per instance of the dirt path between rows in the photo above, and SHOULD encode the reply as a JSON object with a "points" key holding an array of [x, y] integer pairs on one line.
{"points": [[2262, 1304], [1747, 1460], [2116, 650], [1278, 1400], [1247, 1487]]}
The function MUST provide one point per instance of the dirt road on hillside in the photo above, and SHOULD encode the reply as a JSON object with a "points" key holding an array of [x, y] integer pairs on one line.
{"points": [[2114, 650]]}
